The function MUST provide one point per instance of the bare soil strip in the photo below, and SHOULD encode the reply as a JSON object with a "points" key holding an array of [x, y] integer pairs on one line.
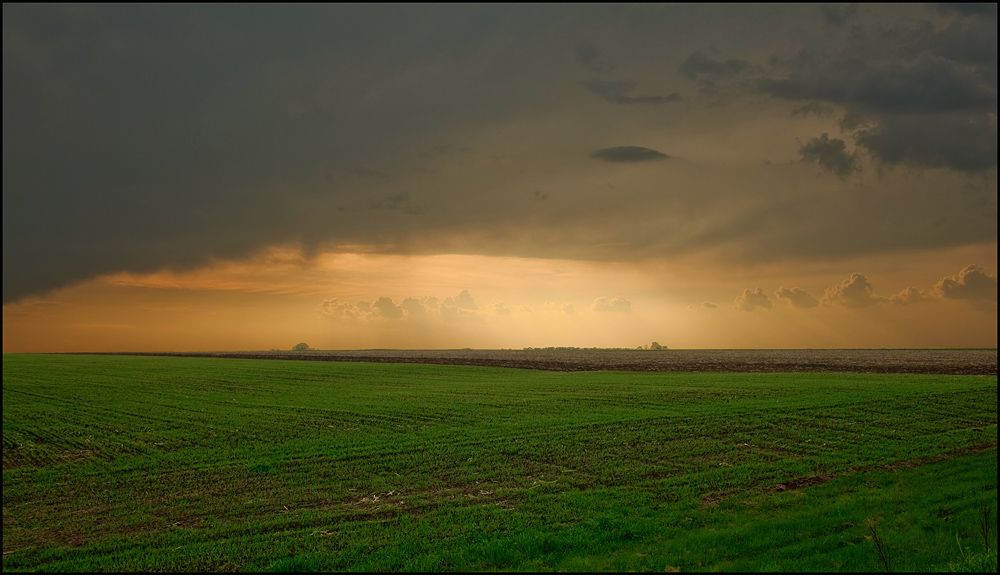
{"points": [[927, 361]]}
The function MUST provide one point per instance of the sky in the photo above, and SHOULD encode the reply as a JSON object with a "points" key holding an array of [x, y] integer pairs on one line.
{"points": [[247, 177]]}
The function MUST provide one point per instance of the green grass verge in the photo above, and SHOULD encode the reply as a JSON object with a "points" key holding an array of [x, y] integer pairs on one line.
{"points": [[145, 463]]}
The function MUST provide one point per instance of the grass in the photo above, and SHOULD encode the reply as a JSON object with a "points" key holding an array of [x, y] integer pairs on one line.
{"points": [[148, 463]]}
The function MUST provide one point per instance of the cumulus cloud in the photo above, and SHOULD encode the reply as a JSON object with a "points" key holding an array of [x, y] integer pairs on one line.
{"points": [[751, 300], [334, 307], [463, 300], [970, 284], [908, 296], [796, 297], [629, 154], [453, 308], [384, 307], [854, 292], [564, 307], [831, 154], [414, 307], [460, 307], [619, 92], [616, 303]]}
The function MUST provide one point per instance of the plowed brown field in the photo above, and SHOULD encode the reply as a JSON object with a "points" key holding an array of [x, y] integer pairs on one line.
{"points": [[948, 361]]}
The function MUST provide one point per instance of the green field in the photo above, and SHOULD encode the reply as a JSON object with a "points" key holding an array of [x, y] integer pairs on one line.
{"points": [[151, 463]]}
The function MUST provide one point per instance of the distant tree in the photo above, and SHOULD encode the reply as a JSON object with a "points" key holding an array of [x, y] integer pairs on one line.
{"points": [[301, 347], [656, 347]]}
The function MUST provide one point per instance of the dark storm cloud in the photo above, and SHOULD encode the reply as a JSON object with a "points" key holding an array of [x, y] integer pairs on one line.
{"points": [[629, 154], [143, 136], [707, 71], [913, 93], [618, 92], [932, 142], [923, 85], [988, 9], [587, 54], [831, 154], [858, 219], [839, 14], [813, 108], [399, 202]]}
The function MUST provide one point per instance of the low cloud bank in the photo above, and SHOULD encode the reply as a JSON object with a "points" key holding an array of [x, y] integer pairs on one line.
{"points": [[855, 291], [618, 304], [796, 297], [751, 300], [970, 283], [461, 306]]}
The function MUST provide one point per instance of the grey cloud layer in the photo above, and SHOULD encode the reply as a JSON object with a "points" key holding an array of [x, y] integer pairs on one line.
{"points": [[831, 154], [144, 137], [914, 93], [137, 137], [629, 154], [620, 92]]}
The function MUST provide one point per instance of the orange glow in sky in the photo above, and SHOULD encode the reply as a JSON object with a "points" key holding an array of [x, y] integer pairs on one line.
{"points": [[357, 301]]}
